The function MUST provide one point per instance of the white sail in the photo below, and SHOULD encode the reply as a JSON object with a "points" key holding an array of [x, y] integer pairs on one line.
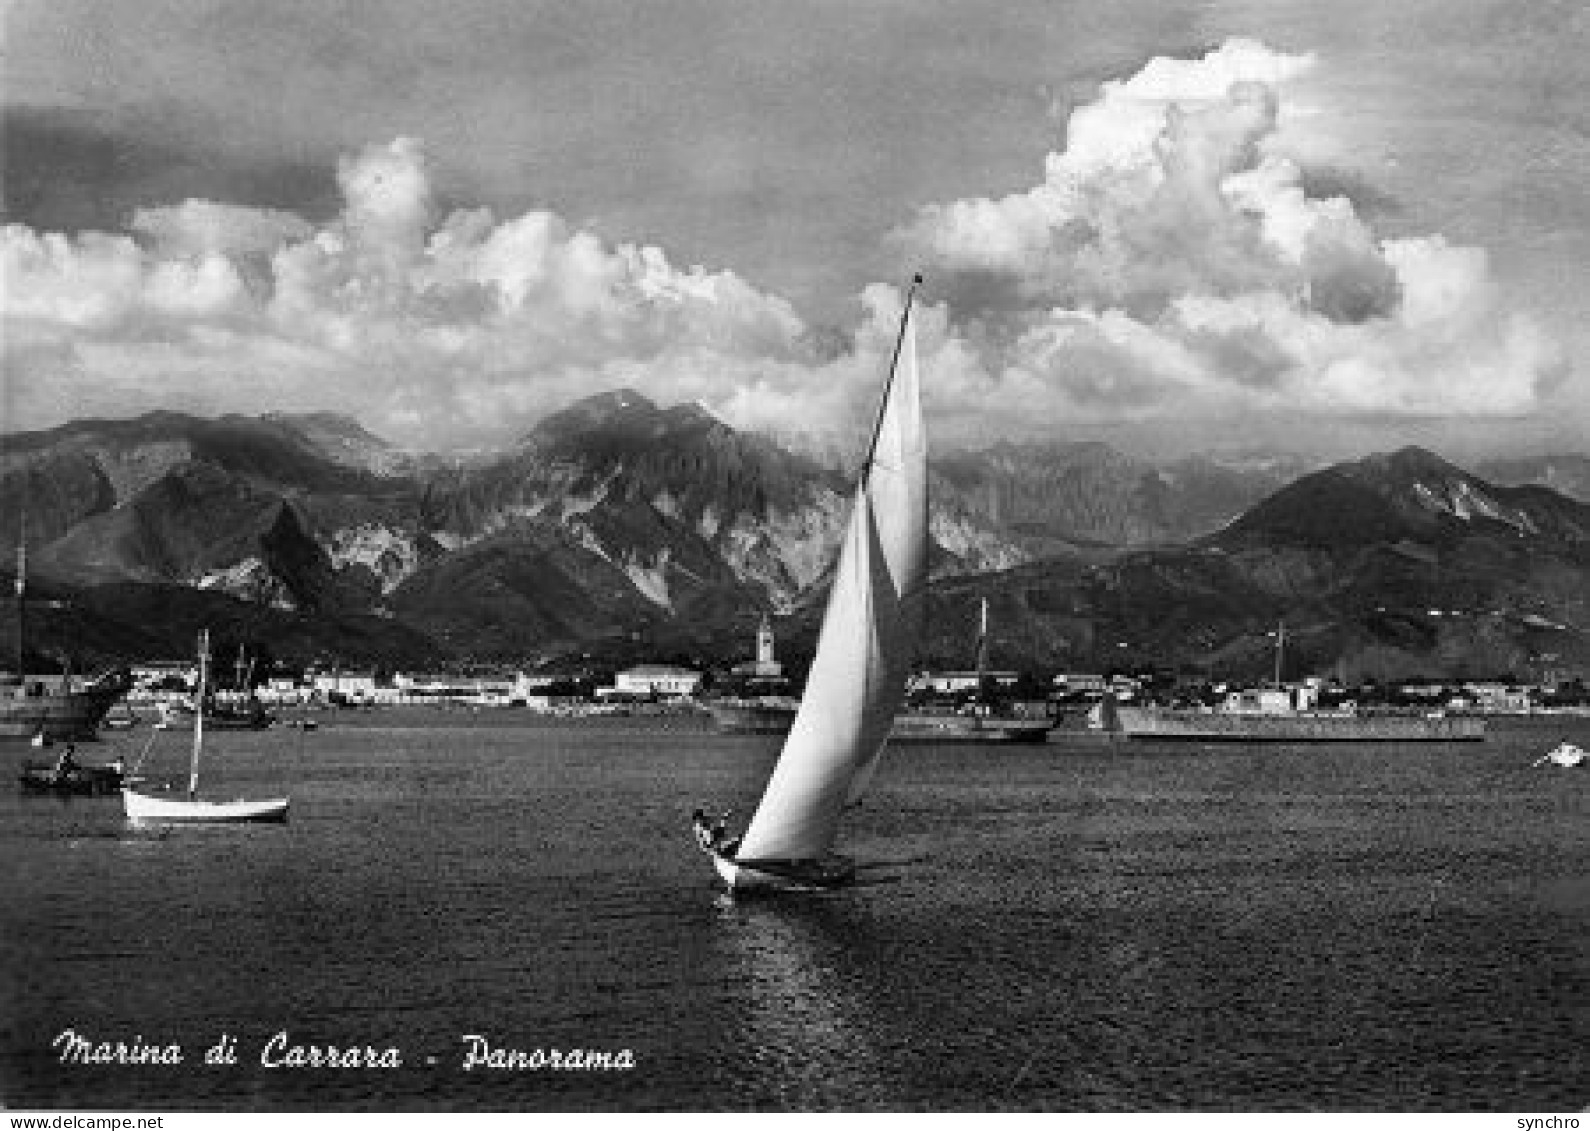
{"points": [[898, 487], [857, 678]]}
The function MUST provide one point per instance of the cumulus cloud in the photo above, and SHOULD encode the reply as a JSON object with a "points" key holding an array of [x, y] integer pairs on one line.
{"points": [[438, 329], [1172, 259], [1173, 256]]}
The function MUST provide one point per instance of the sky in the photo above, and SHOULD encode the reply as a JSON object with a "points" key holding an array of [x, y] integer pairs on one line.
{"points": [[1333, 228]]}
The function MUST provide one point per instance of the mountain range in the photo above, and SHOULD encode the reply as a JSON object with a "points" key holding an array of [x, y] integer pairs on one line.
{"points": [[617, 529]]}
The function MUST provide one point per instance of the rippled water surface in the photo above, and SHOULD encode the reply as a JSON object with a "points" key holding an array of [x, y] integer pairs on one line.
{"points": [[1078, 926]]}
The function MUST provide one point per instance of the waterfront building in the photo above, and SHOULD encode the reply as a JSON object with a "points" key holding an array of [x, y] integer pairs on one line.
{"points": [[155, 679], [353, 685], [1499, 697], [481, 691], [954, 683], [1080, 684], [654, 679]]}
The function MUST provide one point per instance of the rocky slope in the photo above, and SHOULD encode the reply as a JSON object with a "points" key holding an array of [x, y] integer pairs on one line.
{"points": [[1392, 566]]}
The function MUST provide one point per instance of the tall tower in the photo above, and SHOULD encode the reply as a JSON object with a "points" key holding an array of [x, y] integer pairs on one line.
{"points": [[764, 646]]}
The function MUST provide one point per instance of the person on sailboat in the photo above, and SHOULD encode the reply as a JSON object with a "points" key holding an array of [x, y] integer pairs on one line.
{"points": [[725, 844], [712, 833], [702, 827]]}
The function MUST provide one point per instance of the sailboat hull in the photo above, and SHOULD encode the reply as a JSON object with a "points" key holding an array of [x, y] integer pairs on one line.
{"points": [[924, 727], [745, 876], [143, 809]]}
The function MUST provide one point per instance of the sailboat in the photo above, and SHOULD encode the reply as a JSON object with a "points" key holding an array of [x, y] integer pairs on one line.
{"points": [[857, 677], [145, 808]]}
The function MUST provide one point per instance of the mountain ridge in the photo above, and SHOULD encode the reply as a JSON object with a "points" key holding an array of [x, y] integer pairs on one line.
{"points": [[618, 524]]}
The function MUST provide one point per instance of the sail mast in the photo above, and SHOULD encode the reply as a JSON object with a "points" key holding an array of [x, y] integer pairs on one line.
{"points": [[22, 591], [198, 712], [982, 654]]}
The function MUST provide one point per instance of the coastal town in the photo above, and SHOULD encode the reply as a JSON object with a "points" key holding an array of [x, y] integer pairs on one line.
{"points": [[586, 689]]}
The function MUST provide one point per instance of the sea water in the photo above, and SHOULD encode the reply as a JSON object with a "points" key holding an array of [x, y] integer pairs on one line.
{"points": [[489, 912]]}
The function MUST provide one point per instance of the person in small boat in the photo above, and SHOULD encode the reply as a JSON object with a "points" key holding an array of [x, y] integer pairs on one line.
{"points": [[703, 829], [66, 763], [721, 840]]}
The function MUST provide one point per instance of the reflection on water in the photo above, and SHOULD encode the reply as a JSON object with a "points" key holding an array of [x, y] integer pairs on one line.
{"points": [[801, 1021]]}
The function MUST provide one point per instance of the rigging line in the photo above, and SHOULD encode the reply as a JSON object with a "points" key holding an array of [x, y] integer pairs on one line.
{"points": [[153, 734]]}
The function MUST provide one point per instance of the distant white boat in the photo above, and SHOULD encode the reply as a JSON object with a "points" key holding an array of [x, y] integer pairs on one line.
{"points": [[147, 808], [858, 676], [1566, 754]]}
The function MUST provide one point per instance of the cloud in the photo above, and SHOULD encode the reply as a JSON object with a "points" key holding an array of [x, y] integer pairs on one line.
{"points": [[436, 329], [1175, 259], [1175, 254]]}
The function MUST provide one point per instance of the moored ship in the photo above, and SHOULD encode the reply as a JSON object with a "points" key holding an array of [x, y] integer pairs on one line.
{"points": [[241, 714], [775, 715], [1270, 717], [30, 708], [768, 714], [984, 719], [235, 709], [1301, 726], [924, 726], [1284, 714]]}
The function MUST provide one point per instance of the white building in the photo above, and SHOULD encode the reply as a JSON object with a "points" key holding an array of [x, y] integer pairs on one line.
{"points": [[1072, 683], [1499, 697], [283, 691], [155, 679], [358, 686], [951, 683], [655, 679]]}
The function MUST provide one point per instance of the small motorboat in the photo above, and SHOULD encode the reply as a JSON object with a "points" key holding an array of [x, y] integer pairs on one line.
{"points": [[1567, 754]]}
